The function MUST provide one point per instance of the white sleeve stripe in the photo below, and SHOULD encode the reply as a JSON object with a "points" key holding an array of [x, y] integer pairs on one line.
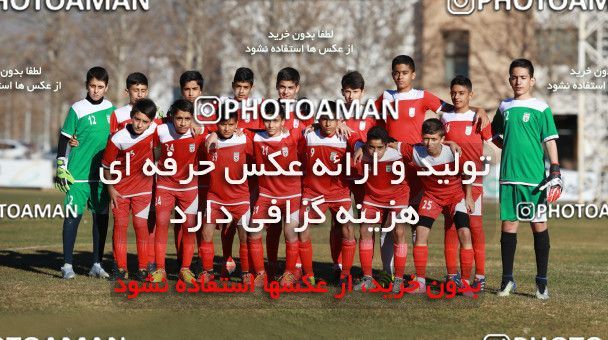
{"points": [[550, 138], [66, 134]]}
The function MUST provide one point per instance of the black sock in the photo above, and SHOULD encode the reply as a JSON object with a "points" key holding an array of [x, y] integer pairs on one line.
{"points": [[70, 228], [541, 249], [508, 243], [100, 230]]}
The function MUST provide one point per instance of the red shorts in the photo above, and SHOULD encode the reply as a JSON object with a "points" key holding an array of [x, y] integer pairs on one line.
{"points": [[139, 205], [431, 209], [372, 207], [167, 199], [333, 207], [239, 212], [263, 203]]}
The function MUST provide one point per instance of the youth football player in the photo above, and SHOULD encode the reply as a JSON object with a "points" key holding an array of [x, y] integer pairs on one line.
{"points": [[133, 192], [179, 145], [379, 192], [286, 190], [230, 153], [78, 175], [525, 123], [442, 193], [461, 129]]}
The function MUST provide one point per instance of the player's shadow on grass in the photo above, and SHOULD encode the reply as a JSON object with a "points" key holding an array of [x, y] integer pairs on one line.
{"points": [[41, 261]]}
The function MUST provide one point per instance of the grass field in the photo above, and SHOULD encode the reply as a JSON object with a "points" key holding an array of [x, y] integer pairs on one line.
{"points": [[34, 301]]}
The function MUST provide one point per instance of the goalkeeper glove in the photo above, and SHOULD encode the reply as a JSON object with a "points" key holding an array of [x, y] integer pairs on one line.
{"points": [[63, 178], [553, 183]]}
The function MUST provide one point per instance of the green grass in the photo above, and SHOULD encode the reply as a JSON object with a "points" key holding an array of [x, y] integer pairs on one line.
{"points": [[34, 301]]}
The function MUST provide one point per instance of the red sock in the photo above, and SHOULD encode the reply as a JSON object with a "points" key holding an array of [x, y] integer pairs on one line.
{"points": [[292, 249], [466, 262], [188, 244], [177, 236], [227, 236], [421, 254], [400, 251], [273, 237], [206, 248], [244, 256], [479, 244], [366, 254], [348, 252], [306, 256], [151, 223], [450, 249], [141, 238], [256, 250], [335, 243], [119, 240]]}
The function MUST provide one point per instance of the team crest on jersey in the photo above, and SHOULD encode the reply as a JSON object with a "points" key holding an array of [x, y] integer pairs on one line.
{"points": [[526, 117], [236, 156], [412, 112], [388, 168], [362, 125], [296, 123], [285, 151], [333, 156], [447, 127], [468, 130], [191, 147]]}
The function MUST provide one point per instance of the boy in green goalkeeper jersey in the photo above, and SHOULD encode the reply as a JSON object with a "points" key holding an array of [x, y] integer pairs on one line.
{"points": [[78, 175], [525, 123]]}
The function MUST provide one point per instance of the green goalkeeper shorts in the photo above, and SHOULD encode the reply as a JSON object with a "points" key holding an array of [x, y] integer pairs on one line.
{"points": [[93, 195], [522, 203]]}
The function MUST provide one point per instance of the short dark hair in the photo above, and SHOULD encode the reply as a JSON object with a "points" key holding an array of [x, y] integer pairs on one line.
{"points": [[463, 81], [226, 117], [333, 107], [378, 132], [289, 74], [404, 59], [136, 78], [433, 126], [181, 105], [353, 80], [145, 106], [244, 74], [270, 110], [98, 73], [525, 63], [189, 76]]}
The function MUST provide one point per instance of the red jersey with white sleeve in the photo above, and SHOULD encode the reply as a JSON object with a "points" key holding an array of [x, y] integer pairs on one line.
{"points": [[460, 128], [329, 151], [122, 116], [139, 149], [362, 126], [378, 189], [287, 144], [231, 154], [183, 150], [411, 109], [442, 188]]}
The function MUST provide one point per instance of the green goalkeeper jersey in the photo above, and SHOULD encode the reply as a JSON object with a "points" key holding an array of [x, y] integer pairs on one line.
{"points": [[525, 125], [91, 125]]}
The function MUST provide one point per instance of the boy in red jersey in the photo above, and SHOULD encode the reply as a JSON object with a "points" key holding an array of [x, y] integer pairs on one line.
{"points": [[443, 192], [178, 151], [460, 128], [382, 198], [227, 200], [324, 148], [132, 192], [285, 191]]}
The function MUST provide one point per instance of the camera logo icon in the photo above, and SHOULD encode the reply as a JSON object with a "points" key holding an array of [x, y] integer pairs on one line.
{"points": [[206, 110], [461, 7], [526, 211]]}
